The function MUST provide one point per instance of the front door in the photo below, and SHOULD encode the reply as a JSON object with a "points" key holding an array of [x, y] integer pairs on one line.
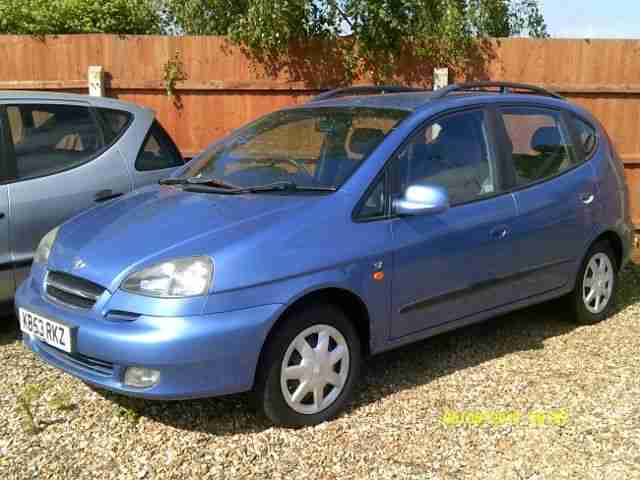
{"points": [[59, 165], [450, 265]]}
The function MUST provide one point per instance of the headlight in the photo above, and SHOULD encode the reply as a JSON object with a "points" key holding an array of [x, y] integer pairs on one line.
{"points": [[45, 246], [184, 277]]}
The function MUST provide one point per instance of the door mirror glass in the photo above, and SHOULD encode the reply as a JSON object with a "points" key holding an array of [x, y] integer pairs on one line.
{"points": [[422, 198]]}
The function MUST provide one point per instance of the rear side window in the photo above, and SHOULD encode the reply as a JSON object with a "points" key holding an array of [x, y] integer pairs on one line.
{"points": [[51, 138], [539, 143], [158, 151], [587, 136], [114, 122]]}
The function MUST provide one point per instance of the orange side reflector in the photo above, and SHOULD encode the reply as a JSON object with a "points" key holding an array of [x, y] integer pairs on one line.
{"points": [[378, 276]]}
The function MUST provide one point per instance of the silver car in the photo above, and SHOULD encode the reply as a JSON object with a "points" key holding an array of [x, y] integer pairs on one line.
{"points": [[61, 154]]}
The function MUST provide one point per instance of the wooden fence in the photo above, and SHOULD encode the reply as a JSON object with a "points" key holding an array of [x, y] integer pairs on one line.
{"points": [[225, 89]]}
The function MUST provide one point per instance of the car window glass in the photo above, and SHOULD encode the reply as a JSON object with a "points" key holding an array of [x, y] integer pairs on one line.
{"points": [[587, 136], [51, 138], [374, 205], [158, 151], [453, 153], [538, 142], [114, 122], [318, 147]]}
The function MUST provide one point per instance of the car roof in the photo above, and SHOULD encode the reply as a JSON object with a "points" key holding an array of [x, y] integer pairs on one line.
{"points": [[71, 97], [420, 101]]}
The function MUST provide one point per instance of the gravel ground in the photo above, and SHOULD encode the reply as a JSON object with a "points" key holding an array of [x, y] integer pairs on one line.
{"points": [[524, 396]]}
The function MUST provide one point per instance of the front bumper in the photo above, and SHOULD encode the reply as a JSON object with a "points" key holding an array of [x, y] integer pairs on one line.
{"points": [[197, 356]]}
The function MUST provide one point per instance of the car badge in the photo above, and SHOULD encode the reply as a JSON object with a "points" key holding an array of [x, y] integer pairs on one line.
{"points": [[78, 263]]}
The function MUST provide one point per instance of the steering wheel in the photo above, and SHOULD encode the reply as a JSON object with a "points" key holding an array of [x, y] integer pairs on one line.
{"points": [[299, 166]]}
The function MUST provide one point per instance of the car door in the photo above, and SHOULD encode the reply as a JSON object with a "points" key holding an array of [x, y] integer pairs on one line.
{"points": [[60, 164], [158, 157], [556, 197], [451, 265]]}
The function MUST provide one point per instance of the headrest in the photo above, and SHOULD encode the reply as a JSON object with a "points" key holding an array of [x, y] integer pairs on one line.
{"points": [[546, 138], [364, 140]]}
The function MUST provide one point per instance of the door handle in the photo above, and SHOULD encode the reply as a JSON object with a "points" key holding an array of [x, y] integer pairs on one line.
{"points": [[1, 215], [587, 198], [499, 233], [104, 195]]}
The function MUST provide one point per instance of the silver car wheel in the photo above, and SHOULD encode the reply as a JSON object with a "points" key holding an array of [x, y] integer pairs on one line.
{"points": [[314, 369], [597, 284]]}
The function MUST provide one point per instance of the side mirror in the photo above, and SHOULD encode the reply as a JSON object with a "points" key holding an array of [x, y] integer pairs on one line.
{"points": [[422, 198]]}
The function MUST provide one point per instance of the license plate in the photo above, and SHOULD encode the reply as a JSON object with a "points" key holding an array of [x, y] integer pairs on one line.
{"points": [[50, 332]]}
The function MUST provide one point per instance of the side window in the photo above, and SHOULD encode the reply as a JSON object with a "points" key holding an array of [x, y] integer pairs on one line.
{"points": [[540, 144], [587, 135], [51, 138], [158, 151], [114, 122], [374, 205], [452, 152]]}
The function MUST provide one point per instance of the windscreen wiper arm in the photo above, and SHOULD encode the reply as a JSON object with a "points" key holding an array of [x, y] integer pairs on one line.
{"points": [[210, 181], [286, 185]]}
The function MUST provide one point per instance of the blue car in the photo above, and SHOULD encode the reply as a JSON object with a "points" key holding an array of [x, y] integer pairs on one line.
{"points": [[316, 236]]}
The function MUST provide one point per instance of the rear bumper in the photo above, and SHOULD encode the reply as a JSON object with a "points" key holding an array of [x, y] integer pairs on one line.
{"points": [[197, 356]]}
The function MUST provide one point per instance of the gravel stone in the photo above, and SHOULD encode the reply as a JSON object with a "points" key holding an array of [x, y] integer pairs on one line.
{"points": [[529, 395]]}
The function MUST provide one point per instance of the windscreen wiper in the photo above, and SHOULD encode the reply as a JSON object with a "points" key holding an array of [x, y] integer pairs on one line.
{"points": [[285, 185], [209, 181]]}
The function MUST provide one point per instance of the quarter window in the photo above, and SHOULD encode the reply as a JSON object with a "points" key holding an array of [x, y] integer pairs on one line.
{"points": [[158, 151], [587, 136], [51, 138], [115, 122], [453, 152], [538, 143], [374, 205]]}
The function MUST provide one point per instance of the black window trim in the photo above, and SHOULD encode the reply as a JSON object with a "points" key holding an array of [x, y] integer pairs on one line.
{"points": [[7, 179], [494, 146], [563, 118], [172, 146]]}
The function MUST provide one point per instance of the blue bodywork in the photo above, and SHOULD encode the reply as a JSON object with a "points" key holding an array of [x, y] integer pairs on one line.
{"points": [[270, 251]]}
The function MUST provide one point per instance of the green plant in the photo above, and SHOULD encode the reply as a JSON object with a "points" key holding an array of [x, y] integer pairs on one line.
{"points": [[61, 401], [173, 72], [53, 17], [371, 37], [25, 404]]}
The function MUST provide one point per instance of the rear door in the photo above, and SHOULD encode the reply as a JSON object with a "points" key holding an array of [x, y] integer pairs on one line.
{"points": [[60, 164], [158, 157], [556, 197]]}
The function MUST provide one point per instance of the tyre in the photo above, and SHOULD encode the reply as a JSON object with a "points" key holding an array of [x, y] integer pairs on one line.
{"points": [[309, 368], [594, 296]]}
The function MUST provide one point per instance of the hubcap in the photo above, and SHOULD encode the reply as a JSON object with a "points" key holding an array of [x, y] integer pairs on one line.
{"points": [[597, 284], [314, 369]]}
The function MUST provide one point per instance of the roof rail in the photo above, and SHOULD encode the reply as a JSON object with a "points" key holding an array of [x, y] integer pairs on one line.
{"points": [[505, 87], [364, 90]]}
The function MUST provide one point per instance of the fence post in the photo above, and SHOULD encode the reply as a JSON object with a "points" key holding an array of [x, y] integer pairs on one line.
{"points": [[440, 78], [96, 81]]}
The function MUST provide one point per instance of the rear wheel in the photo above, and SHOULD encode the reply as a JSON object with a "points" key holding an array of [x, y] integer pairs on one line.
{"points": [[594, 295], [310, 367]]}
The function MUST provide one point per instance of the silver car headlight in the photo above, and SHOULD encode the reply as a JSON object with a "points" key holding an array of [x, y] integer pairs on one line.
{"points": [[178, 278], [45, 246]]}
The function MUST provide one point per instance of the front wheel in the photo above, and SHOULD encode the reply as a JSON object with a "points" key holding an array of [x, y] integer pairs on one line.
{"points": [[594, 295], [310, 367]]}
